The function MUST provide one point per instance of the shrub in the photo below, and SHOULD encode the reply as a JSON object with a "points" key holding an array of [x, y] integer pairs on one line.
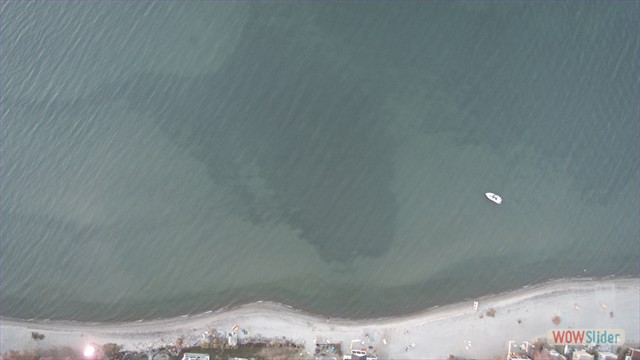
{"points": [[50, 353], [37, 336], [19, 355]]}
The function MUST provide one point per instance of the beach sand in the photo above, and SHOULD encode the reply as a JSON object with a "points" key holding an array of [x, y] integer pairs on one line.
{"points": [[456, 329]]}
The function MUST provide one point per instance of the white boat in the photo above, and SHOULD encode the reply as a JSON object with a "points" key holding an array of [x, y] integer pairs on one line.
{"points": [[495, 198]]}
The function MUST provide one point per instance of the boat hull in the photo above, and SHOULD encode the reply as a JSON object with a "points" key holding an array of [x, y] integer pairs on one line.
{"points": [[494, 197]]}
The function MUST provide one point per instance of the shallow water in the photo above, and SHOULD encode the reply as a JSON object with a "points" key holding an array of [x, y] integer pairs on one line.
{"points": [[160, 159]]}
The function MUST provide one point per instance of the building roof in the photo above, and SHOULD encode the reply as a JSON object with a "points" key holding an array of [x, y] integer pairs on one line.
{"points": [[581, 355], [195, 356], [607, 355]]}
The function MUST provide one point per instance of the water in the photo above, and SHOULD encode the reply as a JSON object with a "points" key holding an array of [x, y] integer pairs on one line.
{"points": [[160, 159]]}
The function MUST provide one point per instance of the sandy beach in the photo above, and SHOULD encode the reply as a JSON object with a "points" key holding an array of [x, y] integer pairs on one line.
{"points": [[456, 329]]}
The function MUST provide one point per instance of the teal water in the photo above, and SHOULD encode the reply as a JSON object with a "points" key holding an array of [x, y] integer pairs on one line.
{"points": [[159, 159]]}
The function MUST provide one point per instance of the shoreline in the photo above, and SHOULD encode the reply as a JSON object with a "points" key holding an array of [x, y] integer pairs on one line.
{"points": [[234, 307], [522, 314]]}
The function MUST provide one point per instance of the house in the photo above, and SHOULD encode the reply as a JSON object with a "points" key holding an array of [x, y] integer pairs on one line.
{"points": [[359, 355], [582, 355], [603, 352], [607, 355], [518, 351], [554, 355], [195, 356], [633, 354], [358, 351]]}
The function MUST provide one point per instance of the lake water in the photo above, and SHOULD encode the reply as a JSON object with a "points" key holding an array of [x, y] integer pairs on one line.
{"points": [[159, 159]]}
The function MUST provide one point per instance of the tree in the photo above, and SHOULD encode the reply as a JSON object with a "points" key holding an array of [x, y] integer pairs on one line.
{"points": [[111, 350]]}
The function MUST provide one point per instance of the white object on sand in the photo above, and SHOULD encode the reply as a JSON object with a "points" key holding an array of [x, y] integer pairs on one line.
{"points": [[475, 305], [494, 197]]}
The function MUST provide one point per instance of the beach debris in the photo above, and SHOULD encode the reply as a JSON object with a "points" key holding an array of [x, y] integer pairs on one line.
{"points": [[384, 341], [491, 312], [475, 305], [519, 321], [555, 319], [611, 314], [603, 306], [576, 306]]}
